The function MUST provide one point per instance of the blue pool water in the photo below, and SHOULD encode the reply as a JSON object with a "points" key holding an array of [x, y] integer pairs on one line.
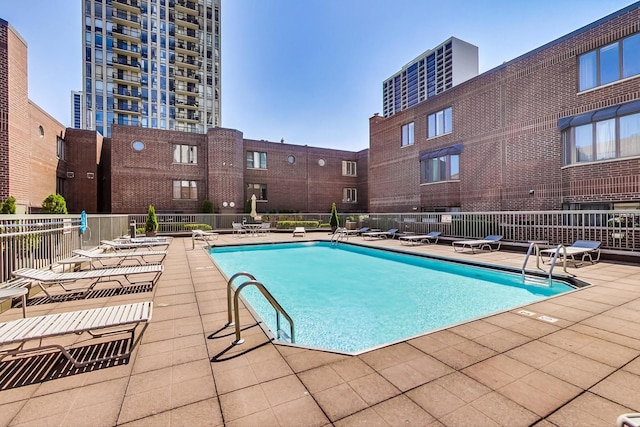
{"points": [[349, 298]]}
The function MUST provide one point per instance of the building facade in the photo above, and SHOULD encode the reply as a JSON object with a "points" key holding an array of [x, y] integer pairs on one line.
{"points": [[77, 116], [151, 63], [178, 171], [556, 128], [434, 71]]}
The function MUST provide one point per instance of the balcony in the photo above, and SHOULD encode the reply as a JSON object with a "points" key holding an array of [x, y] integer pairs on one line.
{"points": [[124, 49], [187, 21], [125, 33], [126, 108], [187, 34], [128, 5], [124, 18], [132, 94], [126, 78], [188, 7], [126, 63]]}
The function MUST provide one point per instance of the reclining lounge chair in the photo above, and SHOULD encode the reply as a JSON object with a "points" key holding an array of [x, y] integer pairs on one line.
{"points": [[205, 236], [380, 234], [114, 259], [133, 244], [486, 243], [90, 278], [415, 239], [16, 335], [586, 248]]}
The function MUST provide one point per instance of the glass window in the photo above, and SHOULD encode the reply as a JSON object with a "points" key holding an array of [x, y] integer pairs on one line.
{"points": [[630, 135], [349, 168], [349, 195], [437, 169], [256, 160], [439, 123], [260, 191], [185, 190], [631, 56], [606, 139], [407, 134], [609, 64], [584, 143], [185, 154]]}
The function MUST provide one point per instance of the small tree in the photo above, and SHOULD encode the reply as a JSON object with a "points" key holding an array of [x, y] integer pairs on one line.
{"points": [[9, 206], [54, 204], [334, 221], [152, 220], [207, 206]]}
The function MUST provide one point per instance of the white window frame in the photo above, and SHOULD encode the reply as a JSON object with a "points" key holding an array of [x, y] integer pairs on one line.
{"points": [[408, 134], [258, 158], [350, 195], [185, 154], [349, 168], [182, 188], [440, 123]]}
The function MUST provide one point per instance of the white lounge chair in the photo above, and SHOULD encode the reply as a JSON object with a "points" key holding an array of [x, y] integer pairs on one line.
{"points": [[486, 243], [205, 236], [132, 244], [585, 248], [16, 335], [299, 231], [114, 259], [628, 420], [415, 239], [90, 278], [380, 234]]}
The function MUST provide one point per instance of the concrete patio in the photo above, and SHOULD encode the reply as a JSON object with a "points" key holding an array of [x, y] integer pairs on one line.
{"points": [[508, 369]]}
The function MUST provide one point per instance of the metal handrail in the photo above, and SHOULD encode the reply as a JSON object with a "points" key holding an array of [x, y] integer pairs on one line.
{"points": [[273, 303], [229, 300], [534, 245]]}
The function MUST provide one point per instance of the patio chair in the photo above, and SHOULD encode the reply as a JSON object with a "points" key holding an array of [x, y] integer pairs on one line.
{"points": [[299, 231], [205, 236], [585, 248], [90, 278], [114, 259], [415, 239], [238, 229], [380, 234], [16, 335], [486, 243], [357, 232], [265, 228]]}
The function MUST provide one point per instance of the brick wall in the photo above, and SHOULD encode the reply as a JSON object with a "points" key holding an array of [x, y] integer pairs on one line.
{"points": [[507, 121], [4, 110], [83, 152]]}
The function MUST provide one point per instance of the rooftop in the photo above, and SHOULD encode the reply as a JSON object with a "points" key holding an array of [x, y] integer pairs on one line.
{"points": [[505, 369]]}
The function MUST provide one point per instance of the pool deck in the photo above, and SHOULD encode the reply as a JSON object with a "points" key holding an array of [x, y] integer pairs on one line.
{"points": [[578, 365]]}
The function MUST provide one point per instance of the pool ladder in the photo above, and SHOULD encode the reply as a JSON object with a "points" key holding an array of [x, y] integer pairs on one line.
{"points": [[340, 234], [232, 305], [534, 247]]}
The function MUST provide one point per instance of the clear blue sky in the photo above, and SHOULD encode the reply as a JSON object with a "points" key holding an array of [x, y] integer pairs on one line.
{"points": [[310, 71]]}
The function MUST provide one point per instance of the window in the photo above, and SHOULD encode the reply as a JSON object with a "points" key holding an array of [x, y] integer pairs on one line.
{"points": [[609, 63], [349, 168], [185, 154], [60, 148], [185, 190], [440, 165], [350, 195], [256, 160], [439, 123], [260, 190], [612, 138], [407, 134]]}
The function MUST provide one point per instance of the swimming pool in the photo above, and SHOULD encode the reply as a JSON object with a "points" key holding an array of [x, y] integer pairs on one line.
{"points": [[349, 298]]}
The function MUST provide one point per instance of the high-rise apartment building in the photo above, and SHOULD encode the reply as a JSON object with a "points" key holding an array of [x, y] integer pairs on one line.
{"points": [[77, 101], [151, 63], [431, 73]]}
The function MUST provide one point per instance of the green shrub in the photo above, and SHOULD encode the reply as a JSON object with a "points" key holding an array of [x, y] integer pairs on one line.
{"points": [[207, 206], [333, 219], [203, 227], [290, 225], [54, 204], [9, 206], [152, 220]]}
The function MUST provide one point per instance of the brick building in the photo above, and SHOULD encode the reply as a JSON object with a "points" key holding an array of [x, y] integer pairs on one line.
{"points": [[556, 128], [177, 171]]}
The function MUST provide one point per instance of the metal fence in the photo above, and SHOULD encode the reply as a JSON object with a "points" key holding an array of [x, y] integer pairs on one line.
{"points": [[39, 241]]}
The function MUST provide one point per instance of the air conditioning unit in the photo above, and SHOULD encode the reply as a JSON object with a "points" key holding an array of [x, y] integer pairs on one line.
{"points": [[90, 175], [70, 175]]}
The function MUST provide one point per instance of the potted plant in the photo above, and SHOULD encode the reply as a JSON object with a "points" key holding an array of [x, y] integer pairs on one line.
{"points": [[151, 227], [334, 221]]}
